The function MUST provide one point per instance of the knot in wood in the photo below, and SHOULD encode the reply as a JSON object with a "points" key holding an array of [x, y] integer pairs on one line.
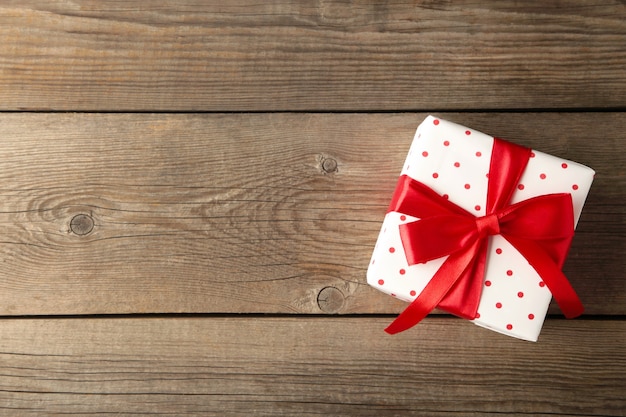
{"points": [[81, 224], [329, 165], [330, 300]]}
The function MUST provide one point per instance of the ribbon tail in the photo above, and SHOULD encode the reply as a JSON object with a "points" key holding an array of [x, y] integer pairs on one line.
{"points": [[463, 298], [551, 274], [435, 290]]}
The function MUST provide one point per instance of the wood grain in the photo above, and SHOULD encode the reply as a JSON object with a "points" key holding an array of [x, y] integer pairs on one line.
{"points": [[302, 55], [307, 366], [233, 213]]}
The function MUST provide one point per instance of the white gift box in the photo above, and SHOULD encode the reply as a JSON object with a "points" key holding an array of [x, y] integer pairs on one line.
{"points": [[454, 161]]}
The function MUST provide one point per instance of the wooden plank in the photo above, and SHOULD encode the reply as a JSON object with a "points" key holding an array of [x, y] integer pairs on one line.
{"points": [[307, 366], [234, 213], [299, 55]]}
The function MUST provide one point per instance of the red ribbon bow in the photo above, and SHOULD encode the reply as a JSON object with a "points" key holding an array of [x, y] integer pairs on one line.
{"points": [[540, 228]]}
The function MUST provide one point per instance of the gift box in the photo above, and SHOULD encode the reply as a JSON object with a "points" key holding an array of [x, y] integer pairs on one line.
{"points": [[479, 227]]}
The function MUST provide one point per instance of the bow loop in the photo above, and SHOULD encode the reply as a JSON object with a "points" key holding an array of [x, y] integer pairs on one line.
{"points": [[419, 200], [547, 220], [437, 236]]}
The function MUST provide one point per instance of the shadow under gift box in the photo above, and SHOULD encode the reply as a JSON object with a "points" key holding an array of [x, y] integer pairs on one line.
{"points": [[454, 161]]}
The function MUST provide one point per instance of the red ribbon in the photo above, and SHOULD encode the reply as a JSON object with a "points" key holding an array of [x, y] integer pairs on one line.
{"points": [[540, 228]]}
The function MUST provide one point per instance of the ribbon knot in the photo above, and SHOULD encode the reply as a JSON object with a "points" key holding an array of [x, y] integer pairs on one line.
{"points": [[488, 225], [540, 228]]}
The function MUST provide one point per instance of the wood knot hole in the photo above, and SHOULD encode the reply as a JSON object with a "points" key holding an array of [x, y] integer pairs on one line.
{"points": [[329, 165], [81, 224], [330, 300]]}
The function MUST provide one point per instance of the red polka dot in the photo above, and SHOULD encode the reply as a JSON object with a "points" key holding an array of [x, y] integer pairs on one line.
{"points": [[542, 176], [467, 132], [435, 122], [532, 154], [520, 294], [509, 272], [413, 293], [498, 305], [509, 327], [392, 249], [446, 143], [487, 283], [393, 295], [402, 272], [424, 154], [542, 284], [531, 316], [467, 186], [487, 175], [575, 187], [498, 251], [403, 217], [479, 154], [563, 165], [477, 207], [457, 164], [446, 196], [520, 186], [381, 282], [435, 175], [477, 316]]}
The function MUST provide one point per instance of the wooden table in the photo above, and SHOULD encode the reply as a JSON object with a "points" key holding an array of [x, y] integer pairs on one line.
{"points": [[190, 193]]}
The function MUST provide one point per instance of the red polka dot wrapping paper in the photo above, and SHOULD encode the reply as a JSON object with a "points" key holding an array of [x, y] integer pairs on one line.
{"points": [[454, 161]]}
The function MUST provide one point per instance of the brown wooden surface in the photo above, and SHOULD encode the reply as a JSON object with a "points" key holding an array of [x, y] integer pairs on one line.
{"points": [[304, 55], [234, 213], [255, 210], [310, 366]]}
